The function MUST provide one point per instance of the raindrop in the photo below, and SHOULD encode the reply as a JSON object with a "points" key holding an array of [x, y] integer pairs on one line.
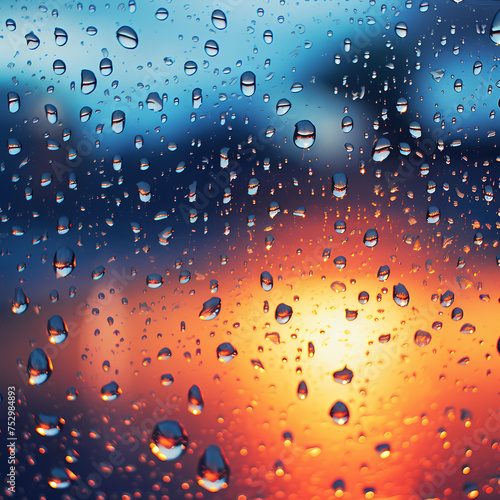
{"points": [[61, 37], [169, 440], [57, 329], [283, 313], [89, 81], [226, 352], [39, 367], [422, 338], [304, 134], [64, 262], [343, 376], [219, 19], [154, 280], [381, 149], [213, 470], [247, 84], [339, 413], [195, 400], [127, 37], [110, 392], [211, 309], [32, 41], [370, 238], [401, 29], [266, 281], [20, 302], [339, 185], [400, 295], [211, 48]]}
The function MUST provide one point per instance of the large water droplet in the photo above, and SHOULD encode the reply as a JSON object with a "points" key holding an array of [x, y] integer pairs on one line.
{"points": [[13, 101], [283, 313], [381, 149], [339, 184], [266, 281], [89, 81], [20, 302], [339, 413], [57, 329], [219, 19], [49, 425], [211, 309], [195, 400], [169, 440], [213, 469], [304, 134], [127, 37], [39, 367], [64, 262], [400, 295], [422, 338], [61, 37], [111, 391], [343, 376], [370, 239], [401, 29], [32, 41], [226, 352], [247, 84]]}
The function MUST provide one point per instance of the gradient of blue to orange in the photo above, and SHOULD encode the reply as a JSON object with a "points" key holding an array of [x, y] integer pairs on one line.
{"points": [[423, 421]]}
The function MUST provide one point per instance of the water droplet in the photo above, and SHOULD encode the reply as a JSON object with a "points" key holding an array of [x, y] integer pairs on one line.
{"points": [[339, 185], [339, 413], [283, 107], [106, 67], [58, 478], [213, 469], [118, 121], [57, 329], [268, 36], [401, 29], [302, 390], [32, 41], [226, 352], [49, 425], [64, 262], [195, 400], [20, 302], [51, 113], [447, 298], [304, 134], [110, 392], [422, 338], [266, 281], [190, 68], [61, 37], [211, 309], [370, 238], [39, 367], [283, 313], [477, 67], [343, 376], [219, 19], [363, 297], [169, 440], [381, 149], [98, 273], [347, 124], [400, 295], [127, 37], [161, 14], [89, 81], [13, 101], [211, 48], [247, 84]]}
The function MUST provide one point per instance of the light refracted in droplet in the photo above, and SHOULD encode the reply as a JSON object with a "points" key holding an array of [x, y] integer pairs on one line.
{"points": [[304, 134], [169, 440], [211, 309], [339, 413], [39, 367], [127, 37], [213, 470]]}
